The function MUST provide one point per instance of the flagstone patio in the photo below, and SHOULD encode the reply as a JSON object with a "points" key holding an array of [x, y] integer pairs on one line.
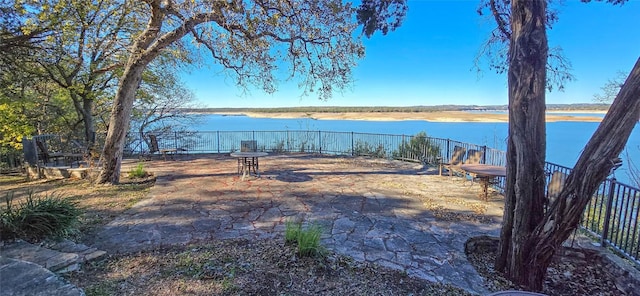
{"points": [[396, 214]]}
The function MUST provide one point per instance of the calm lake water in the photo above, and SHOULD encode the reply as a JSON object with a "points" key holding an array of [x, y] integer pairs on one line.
{"points": [[565, 140]]}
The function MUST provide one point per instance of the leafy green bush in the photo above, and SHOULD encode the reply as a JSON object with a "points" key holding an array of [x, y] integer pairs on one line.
{"points": [[365, 149], [39, 217], [138, 172], [418, 148], [307, 240]]}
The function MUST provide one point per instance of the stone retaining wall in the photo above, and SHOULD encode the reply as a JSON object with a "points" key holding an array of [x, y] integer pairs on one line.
{"points": [[34, 173]]}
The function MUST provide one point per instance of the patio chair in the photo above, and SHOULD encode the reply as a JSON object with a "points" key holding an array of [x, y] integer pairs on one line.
{"points": [[556, 183], [474, 156], [155, 148], [455, 162], [45, 155], [79, 147], [247, 146]]}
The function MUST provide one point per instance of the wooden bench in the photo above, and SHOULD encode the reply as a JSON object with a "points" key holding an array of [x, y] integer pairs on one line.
{"points": [[46, 156]]}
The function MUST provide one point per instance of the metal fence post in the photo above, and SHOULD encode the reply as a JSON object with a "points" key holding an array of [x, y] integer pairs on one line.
{"points": [[484, 154], [320, 142], [352, 148], [175, 140], [607, 215], [218, 140], [448, 150], [403, 152]]}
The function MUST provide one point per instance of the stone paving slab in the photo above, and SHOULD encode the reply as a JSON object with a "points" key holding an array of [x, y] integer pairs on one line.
{"points": [[49, 259], [18, 278], [28, 269], [391, 213]]}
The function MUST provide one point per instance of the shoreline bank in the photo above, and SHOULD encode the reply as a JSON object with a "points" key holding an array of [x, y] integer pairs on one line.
{"points": [[438, 116]]}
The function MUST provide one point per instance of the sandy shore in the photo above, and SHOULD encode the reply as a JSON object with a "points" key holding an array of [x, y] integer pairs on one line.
{"points": [[442, 116]]}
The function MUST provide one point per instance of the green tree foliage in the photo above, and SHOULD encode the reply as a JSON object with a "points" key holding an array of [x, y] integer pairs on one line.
{"points": [[13, 126], [383, 16], [418, 147], [66, 57], [21, 32], [79, 55]]}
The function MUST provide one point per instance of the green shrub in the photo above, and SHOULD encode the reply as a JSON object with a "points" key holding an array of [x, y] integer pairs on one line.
{"points": [[362, 148], [419, 148], [138, 172], [39, 217], [307, 240]]}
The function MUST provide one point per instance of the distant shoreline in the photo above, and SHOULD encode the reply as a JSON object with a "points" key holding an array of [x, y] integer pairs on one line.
{"points": [[436, 116]]}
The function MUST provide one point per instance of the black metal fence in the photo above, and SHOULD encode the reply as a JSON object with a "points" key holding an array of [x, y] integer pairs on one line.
{"points": [[612, 215], [406, 147]]}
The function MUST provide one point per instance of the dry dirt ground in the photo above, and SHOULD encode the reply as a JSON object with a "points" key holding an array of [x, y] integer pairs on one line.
{"points": [[240, 267], [564, 277]]}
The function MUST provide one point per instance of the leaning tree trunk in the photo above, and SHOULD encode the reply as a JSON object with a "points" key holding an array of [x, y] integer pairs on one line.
{"points": [[592, 168], [525, 181], [147, 46], [111, 157]]}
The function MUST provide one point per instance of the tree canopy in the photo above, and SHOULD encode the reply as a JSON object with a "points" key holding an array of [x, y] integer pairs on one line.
{"points": [[255, 41]]}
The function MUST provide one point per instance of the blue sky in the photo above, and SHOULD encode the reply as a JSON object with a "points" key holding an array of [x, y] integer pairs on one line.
{"points": [[430, 59]]}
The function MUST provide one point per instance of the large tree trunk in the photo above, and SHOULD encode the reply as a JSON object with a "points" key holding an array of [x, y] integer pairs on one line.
{"points": [[592, 168], [524, 195], [146, 47], [89, 128], [111, 157], [84, 108]]}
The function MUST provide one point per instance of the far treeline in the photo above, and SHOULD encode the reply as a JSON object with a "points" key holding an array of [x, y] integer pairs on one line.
{"points": [[336, 109]]}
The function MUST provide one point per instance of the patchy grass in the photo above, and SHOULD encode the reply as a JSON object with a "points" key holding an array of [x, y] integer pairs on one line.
{"points": [[242, 267], [7, 180]]}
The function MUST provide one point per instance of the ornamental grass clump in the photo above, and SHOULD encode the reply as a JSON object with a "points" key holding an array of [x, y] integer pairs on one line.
{"points": [[307, 240], [38, 217], [138, 172], [291, 231]]}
